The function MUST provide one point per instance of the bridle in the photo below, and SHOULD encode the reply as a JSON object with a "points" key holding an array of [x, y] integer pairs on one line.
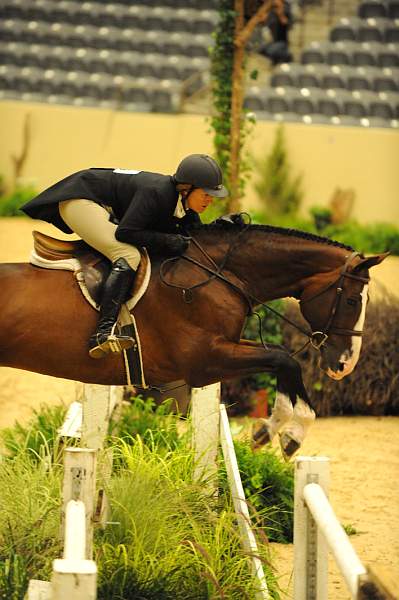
{"points": [[316, 339], [319, 338]]}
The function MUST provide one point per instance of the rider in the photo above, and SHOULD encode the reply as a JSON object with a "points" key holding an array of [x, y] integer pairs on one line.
{"points": [[116, 210]]}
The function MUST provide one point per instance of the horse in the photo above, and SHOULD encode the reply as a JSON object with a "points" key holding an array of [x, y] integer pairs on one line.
{"points": [[192, 315]]}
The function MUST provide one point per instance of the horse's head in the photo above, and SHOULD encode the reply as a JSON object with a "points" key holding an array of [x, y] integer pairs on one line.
{"points": [[334, 304]]}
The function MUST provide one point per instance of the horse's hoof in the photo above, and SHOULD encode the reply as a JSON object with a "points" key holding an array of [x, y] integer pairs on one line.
{"points": [[261, 436], [289, 445]]}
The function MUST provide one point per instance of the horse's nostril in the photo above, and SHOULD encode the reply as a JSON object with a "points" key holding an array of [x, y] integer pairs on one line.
{"points": [[341, 366]]}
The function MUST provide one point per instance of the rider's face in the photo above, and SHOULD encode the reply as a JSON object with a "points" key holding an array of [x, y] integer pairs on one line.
{"points": [[198, 200]]}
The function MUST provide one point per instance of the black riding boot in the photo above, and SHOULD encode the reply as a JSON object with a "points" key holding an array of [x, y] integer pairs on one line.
{"points": [[116, 291]]}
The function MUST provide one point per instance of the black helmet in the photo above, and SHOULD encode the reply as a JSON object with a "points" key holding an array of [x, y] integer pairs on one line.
{"points": [[202, 172]]}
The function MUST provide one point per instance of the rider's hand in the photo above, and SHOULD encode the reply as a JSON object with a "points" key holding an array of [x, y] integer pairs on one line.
{"points": [[177, 244]]}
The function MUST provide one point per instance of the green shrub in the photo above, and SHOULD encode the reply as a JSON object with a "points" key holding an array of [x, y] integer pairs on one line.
{"points": [[11, 203], [279, 192], [40, 433], [155, 425], [13, 577], [369, 239], [168, 540], [269, 488]]}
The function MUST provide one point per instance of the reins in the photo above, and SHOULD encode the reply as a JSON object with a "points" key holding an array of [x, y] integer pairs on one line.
{"points": [[315, 338]]}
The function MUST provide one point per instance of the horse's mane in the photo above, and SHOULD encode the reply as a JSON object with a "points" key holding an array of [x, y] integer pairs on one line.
{"points": [[221, 226]]}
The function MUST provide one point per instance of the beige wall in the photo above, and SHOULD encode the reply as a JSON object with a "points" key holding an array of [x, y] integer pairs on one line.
{"points": [[66, 139]]}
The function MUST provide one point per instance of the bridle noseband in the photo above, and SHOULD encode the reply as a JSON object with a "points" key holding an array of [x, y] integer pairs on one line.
{"points": [[316, 339]]}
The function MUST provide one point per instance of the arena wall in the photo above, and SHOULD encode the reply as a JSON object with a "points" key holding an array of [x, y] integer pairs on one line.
{"points": [[63, 139]]}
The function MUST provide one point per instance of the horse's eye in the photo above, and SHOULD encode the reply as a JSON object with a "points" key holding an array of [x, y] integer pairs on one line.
{"points": [[351, 301]]}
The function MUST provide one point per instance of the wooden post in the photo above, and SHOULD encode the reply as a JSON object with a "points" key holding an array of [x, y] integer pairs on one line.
{"points": [[75, 576], [205, 425], [38, 590], [96, 402], [74, 580], [80, 484], [310, 548]]}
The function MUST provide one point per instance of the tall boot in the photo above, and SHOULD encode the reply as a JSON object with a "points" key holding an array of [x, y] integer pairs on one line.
{"points": [[117, 289]]}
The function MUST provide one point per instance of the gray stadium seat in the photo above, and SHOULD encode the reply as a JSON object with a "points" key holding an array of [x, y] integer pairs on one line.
{"points": [[382, 109], [335, 77], [354, 107], [392, 32], [315, 53], [393, 9], [332, 103], [361, 79], [388, 55], [281, 78], [308, 79], [345, 30], [386, 80], [341, 53], [372, 30], [287, 74], [366, 54], [272, 100], [9, 75], [392, 98], [372, 8], [304, 101], [13, 30]]}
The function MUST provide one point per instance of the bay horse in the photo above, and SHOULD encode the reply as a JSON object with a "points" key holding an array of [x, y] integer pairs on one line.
{"points": [[191, 318]]}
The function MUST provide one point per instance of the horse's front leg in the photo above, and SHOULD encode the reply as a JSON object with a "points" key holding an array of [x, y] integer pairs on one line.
{"points": [[293, 434], [291, 422], [228, 360]]}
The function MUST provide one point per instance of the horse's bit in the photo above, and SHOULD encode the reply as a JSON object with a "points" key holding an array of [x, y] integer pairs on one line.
{"points": [[317, 339]]}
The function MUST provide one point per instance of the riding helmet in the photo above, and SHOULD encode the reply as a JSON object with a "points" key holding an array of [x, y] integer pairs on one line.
{"points": [[202, 172]]}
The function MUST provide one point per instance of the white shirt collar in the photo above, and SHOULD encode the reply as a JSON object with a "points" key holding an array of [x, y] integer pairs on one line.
{"points": [[179, 210]]}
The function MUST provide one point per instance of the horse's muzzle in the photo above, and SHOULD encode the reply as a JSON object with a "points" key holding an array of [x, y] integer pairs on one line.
{"points": [[335, 368]]}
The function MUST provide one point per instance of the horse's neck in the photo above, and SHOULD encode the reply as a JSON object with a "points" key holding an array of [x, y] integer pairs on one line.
{"points": [[280, 267]]}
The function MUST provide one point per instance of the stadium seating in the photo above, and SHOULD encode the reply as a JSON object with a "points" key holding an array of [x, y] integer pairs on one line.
{"points": [[74, 48], [352, 78]]}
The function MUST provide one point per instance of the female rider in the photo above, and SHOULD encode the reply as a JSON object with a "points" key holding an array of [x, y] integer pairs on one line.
{"points": [[146, 209]]}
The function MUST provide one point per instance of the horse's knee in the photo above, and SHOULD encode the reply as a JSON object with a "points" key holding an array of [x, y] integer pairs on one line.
{"points": [[289, 378]]}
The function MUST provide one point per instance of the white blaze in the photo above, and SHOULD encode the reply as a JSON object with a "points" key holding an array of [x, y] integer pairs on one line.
{"points": [[350, 358], [357, 340]]}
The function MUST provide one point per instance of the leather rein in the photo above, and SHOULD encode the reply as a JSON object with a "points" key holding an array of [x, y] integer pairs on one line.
{"points": [[317, 339]]}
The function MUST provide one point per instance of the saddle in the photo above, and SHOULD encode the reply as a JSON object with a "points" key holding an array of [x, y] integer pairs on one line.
{"points": [[91, 268]]}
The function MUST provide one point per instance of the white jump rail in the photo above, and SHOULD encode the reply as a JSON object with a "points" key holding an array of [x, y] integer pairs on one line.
{"points": [[211, 427], [316, 531]]}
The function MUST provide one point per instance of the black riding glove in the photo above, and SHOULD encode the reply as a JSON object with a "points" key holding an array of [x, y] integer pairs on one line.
{"points": [[231, 219], [176, 245]]}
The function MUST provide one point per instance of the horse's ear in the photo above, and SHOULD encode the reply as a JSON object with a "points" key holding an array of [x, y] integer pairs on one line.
{"points": [[370, 261]]}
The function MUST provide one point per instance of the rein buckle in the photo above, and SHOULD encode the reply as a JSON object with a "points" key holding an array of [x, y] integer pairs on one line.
{"points": [[313, 339]]}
